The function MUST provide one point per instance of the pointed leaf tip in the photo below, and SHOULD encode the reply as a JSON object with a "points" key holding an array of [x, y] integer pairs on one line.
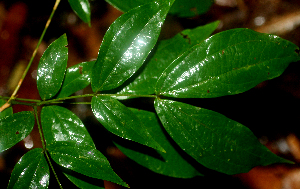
{"points": [[227, 63], [82, 9], [212, 139]]}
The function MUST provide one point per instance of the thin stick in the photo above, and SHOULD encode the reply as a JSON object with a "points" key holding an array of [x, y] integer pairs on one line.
{"points": [[7, 104]]}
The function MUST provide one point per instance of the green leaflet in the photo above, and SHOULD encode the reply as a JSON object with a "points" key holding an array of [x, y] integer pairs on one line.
{"points": [[60, 124], [31, 171], [212, 139], [166, 52], [170, 163], [83, 159], [181, 8], [7, 111], [227, 63], [119, 120], [127, 44], [77, 77], [82, 9], [52, 67], [14, 128]]}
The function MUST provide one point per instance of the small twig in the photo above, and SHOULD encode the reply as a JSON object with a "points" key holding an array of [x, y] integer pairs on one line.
{"points": [[7, 104], [4, 106]]}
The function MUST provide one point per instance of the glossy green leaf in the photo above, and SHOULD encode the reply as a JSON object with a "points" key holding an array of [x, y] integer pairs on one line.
{"points": [[119, 120], [7, 111], [52, 67], [83, 159], [227, 63], [181, 8], [60, 124], [127, 44], [212, 139], [81, 183], [15, 128], [166, 52], [32, 171], [77, 77], [170, 163], [190, 8], [82, 9]]}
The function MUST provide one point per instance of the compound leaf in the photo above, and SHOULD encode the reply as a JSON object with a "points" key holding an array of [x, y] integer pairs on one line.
{"points": [[83, 159], [77, 77], [119, 120], [170, 163], [127, 44], [212, 139], [60, 124], [32, 171], [52, 67], [14, 128], [227, 63], [167, 51], [82, 9]]}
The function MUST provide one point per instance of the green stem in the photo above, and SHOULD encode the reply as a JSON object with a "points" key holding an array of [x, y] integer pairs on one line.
{"points": [[44, 145], [22, 103], [91, 95], [33, 102], [52, 168], [39, 127], [20, 99], [61, 99], [81, 103]]}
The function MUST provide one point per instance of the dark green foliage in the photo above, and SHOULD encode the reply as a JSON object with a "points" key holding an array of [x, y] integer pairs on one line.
{"points": [[190, 65]]}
